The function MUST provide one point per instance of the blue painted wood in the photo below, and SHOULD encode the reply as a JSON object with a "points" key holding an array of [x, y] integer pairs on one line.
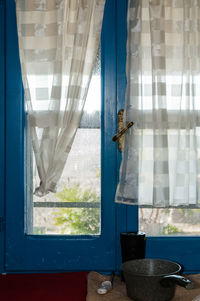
{"points": [[14, 152], [109, 120], [131, 211], [52, 253], [57, 253], [127, 216], [121, 210], [2, 127], [185, 250]]}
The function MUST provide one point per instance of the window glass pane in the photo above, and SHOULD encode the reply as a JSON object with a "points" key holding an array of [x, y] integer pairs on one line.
{"points": [[173, 221], [75, 208]]}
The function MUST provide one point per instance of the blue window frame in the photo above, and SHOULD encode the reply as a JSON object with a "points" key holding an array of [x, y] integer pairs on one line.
{"points": [[57, 253], [22, 253], [2, 131]]}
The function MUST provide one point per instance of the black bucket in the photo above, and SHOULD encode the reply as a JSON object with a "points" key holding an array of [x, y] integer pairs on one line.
{"points": [[133, 245]]}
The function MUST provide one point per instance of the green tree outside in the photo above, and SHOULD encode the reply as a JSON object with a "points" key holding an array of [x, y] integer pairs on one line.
{"points": [[78, 220]]}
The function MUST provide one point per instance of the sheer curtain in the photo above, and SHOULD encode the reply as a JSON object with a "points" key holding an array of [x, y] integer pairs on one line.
{"points": [[161, 158], [58, 43]]}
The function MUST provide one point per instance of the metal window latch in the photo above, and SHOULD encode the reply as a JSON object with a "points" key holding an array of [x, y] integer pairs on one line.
{"points": [[121, 130]]}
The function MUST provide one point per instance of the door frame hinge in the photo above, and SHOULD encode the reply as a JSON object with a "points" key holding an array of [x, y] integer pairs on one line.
{"points": [[2, 224]]}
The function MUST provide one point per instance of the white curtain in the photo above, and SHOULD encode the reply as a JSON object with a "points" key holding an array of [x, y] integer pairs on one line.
{"points": [[161, 158], [58, 43]]}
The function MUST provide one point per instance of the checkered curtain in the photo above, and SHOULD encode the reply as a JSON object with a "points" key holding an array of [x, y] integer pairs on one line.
{"points": [[161, 157], [58, 43]]}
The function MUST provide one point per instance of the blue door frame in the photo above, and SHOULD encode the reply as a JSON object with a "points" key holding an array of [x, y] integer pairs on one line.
{"points": [[23, 253], [2, 134], [127, 216], [26, 253]]}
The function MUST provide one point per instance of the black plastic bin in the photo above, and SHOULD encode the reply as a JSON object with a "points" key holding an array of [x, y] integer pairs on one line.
{"points": [[133, 245]]}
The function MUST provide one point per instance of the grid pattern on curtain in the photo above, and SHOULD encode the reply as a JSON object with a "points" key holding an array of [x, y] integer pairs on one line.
{"points": [[161, 158], [58, 43]]}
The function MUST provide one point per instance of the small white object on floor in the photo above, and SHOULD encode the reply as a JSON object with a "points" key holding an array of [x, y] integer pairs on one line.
{"points": [[105, 287]]}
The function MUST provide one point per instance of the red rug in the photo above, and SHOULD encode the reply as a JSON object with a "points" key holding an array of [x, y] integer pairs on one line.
{"points": [[44, 287]]}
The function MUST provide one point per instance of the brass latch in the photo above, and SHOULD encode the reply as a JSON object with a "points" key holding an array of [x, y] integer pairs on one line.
{"points": [[121, 130]]}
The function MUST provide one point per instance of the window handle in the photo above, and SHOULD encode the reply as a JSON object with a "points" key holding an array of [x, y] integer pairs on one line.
{"points": [[120, 133], [121, 129]]}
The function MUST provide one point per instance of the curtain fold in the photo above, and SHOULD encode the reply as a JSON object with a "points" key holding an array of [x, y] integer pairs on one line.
{"points": [[161, 158], [58, 43]]}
